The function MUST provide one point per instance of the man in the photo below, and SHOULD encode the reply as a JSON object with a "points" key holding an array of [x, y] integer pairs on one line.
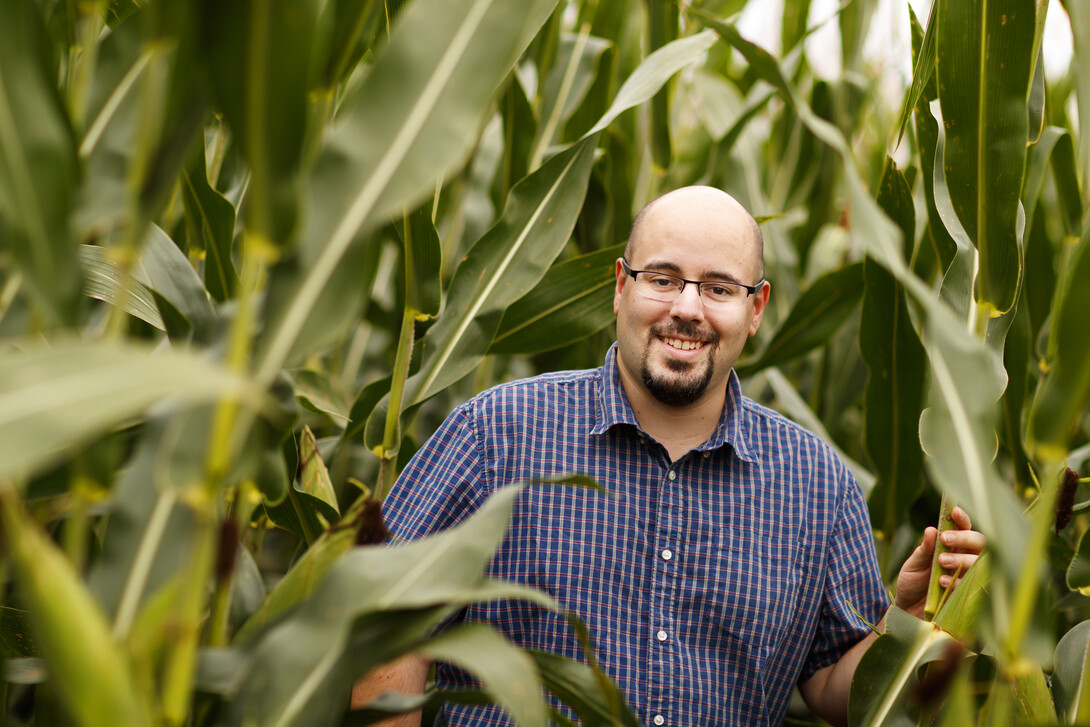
{"points": [[724, 566]]}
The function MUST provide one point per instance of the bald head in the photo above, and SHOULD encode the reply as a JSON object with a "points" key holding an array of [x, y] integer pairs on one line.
{"points": [[697, 206]]}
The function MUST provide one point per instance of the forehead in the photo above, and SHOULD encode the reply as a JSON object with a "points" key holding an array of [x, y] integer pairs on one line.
{"points": [[698, 233]]}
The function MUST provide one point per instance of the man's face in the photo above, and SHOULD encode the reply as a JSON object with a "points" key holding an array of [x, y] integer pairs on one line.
{"points": [[681, 352]]}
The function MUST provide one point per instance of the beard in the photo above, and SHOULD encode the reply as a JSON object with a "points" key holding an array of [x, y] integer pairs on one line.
{"points": [[684, 382]]}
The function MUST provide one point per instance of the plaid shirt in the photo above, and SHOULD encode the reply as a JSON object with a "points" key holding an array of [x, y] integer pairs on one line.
{"points": [[710, 585]]}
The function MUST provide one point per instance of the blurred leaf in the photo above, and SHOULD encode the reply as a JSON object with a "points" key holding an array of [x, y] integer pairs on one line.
{"points": [[984, 66], [663, 29], [505, 671], [86, 667], [38, 170], [415, 118], [888, 671], [960, 612], [306, 573], [572, 301], [311, 505], [316, 391], [265, 49], [567, 84], [162, 267], [817, 314], [57, 398], [1078, 572], [210, 219], [15, 638], [578, 686], [896, 365], [1070, 682], [102, 280], [446, 568]]}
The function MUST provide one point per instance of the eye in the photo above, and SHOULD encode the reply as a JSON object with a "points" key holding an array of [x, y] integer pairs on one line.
{"points": [[663, 282], [720, 290]]}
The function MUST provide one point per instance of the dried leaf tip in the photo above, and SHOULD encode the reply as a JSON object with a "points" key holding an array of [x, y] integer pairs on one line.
{"points": [[1065, 501], [372, 528]]}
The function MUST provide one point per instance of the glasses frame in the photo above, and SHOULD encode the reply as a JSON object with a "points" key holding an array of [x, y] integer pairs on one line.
{"points": [[750, 289]]}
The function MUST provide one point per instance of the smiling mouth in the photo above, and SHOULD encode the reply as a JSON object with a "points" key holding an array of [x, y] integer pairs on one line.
{"points": [[681, 344]]}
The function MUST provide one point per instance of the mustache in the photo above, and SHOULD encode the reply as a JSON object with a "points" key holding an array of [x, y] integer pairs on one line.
{"points": [[684, 329]]}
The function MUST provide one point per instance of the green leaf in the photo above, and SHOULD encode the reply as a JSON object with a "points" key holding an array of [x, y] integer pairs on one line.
{"points": [[102, 280], [817, 314], [984, 65], [311, 505], [896, 363], [574, 300], [581, 688], [86, 667], [503, 265], [443, 570], [162, 267], [1070, 682], [888, 671], [210, 220], [316, 391], [423, 264], [567, 84], [57, 398], [415, 118], [261, 69], [967, 380], [504, 670], [15, 637], [1064, 393], [38, 168], [923, 68]]}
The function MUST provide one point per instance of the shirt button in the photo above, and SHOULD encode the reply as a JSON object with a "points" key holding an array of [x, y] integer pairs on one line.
{"points": [[659, 719], [667, 554], [662, 635], [672, 475]]}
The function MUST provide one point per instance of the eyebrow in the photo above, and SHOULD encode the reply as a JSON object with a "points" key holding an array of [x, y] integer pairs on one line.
{"points": [[709, 276]]}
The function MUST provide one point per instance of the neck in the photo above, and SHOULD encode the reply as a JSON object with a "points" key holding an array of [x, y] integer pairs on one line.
{"points": [[678, 428]]}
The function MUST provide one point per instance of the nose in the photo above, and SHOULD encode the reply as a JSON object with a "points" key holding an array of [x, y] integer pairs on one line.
{"points": [[688, 306]]}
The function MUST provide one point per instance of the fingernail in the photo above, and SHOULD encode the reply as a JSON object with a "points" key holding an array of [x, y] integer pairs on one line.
{"points": [[946, 560], [948, 538]]}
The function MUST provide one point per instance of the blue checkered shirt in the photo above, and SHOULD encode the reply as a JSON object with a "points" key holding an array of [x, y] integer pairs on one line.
{"points": [[711, 585]]}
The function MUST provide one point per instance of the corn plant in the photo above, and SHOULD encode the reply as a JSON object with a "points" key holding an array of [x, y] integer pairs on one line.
{"points": [[252, 253]]}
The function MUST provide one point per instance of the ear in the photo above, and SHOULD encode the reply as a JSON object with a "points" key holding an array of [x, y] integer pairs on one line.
{"points": [[621, 278], [760, 300]]}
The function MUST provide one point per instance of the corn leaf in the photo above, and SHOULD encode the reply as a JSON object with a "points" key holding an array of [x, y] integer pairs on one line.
{"points": [[86, 667], [984, 66], [415, 118], [55, 399]]}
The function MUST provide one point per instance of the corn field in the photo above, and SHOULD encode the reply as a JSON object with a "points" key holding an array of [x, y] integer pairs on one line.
{"points": [[252, 253]]}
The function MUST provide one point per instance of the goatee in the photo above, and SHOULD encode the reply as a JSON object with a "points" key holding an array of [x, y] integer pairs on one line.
{"points": [[681, 389]]}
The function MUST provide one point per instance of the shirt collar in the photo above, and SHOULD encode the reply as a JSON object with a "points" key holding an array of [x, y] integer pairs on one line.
{"points": [[613, 407]]}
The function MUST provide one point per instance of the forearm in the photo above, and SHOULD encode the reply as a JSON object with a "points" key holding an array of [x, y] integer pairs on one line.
{"points": [[405, 676], [826, 692]]}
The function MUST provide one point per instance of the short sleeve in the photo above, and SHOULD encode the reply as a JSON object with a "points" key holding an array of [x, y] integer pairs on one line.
{"points": [[853, 582], [444, 483]]}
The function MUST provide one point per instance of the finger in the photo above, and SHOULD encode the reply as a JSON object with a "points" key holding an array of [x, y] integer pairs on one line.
{"points": [[961, 518], [966, 541], [957, 562], [921, 556]]}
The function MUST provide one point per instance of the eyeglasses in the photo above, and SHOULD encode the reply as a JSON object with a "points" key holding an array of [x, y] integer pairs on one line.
{"points": [[667, 288]]}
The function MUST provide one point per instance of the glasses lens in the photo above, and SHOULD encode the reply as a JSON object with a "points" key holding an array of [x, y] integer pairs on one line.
{"points": [[722, 293], [659, 286]]}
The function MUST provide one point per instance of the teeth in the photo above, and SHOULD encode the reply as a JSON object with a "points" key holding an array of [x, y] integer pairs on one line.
{"points": [[683, 345]]}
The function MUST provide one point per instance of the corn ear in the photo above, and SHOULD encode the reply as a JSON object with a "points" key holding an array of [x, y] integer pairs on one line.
{"points": [[87, 669]]}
